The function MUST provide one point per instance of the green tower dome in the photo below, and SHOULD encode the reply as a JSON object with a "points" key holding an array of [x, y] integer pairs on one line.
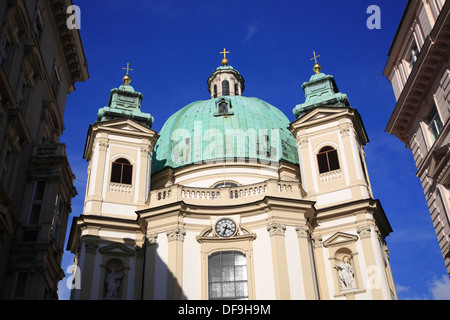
{"points": [[225, 128]]}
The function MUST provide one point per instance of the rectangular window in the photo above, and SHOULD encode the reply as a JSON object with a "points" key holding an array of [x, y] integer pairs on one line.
{"points": [[227, 276], [413, 55], [20, 285], [434, 122], [36, 203]]}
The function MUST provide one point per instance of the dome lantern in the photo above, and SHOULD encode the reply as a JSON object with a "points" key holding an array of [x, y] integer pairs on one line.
{"points": [[225, 80]]}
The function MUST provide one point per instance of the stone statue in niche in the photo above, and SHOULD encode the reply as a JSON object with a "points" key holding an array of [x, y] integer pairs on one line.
{"points": [[346, 274], [112, 282]]}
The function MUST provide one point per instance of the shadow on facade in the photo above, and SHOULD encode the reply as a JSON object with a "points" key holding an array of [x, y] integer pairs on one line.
{"points": [[126, 272]]}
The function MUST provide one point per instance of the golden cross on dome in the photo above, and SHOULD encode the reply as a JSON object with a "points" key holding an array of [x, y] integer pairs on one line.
{"points": [[315, 57], [224, 53], [317, 66], [127, 68], [126, 79]]}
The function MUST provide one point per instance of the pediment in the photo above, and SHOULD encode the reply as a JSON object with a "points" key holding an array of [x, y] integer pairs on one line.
{"points": [[322, 113], [340, 238], [123, 124], [117, 249]]}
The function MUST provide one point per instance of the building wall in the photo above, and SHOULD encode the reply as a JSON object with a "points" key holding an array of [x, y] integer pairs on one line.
{"points": [[36, 75], [420, 88]]}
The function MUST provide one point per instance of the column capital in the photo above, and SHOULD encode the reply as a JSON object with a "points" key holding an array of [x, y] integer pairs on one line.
{"points": [[176, 234], [276, 229]]}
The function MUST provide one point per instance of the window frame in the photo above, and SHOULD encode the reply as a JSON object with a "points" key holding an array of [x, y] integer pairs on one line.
{"points": [[331, 166], [434, 122], [224, 268], [33, 218], [121, 178], [225, 88]]}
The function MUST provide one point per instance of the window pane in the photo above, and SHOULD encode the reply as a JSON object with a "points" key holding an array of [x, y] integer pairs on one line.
{"points": [[116, 172], [127, 173], [39, 193], [215, 274], [240, 273], [241, 290], [333, 160], [227, 273], [225, 88], [228, 290], [240, 259], [35, 212], [227, 258], [215, 291], [323, 162]]}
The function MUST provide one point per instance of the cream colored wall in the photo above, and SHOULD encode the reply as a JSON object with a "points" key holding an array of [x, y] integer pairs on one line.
{"points": [[339, 186], [206, 176]]}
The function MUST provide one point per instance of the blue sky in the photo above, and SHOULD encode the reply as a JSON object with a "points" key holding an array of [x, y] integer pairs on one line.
{"points": [[173, 47]]}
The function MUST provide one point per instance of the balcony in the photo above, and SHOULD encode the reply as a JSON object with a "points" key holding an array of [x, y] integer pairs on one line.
{"points": [[226, 196]]}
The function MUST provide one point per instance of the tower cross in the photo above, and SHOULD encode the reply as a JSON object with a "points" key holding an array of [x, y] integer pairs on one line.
{"points": [[224, 53], [315, 57], [127, 68]]}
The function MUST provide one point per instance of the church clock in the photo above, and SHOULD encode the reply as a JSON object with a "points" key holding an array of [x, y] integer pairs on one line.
{"points": [[225, 228]]}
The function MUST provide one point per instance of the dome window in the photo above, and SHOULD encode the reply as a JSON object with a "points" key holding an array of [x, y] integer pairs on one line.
{"points": [[223, 108], [225, 88]]}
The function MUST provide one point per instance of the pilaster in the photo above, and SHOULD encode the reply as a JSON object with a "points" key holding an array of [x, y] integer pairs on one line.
{"points": [[279, 260], [303, 236], [175, 263]]}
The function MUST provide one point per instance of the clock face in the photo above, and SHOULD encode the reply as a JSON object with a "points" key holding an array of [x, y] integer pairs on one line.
{"points": [[225, 228]]}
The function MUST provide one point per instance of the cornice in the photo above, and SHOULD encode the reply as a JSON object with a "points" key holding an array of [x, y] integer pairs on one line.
{"points": [[432, 57]]}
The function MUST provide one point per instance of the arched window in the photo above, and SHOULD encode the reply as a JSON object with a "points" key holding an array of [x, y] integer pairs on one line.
{"points": [[327, 159], [227, 275], [215, 91], [225, 88], [236, 90], [121, 171], [225, 184]]}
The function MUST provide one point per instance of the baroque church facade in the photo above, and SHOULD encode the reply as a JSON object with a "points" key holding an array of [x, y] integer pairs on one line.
{"points": [[230, 200]]}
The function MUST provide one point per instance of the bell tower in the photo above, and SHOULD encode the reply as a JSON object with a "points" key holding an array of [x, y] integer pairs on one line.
{"points": [[107, 236], [331, 138], [350, 227]]}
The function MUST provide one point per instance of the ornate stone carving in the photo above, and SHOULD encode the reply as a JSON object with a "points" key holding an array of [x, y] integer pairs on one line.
{"points": [[317, 241], [176, 234], [152, 238], [91, 247], [344, 129], [302, 231], [364, 232], [276, 229]]}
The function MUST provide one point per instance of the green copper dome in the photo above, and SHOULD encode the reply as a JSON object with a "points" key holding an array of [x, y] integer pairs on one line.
{"points": [[226, 128]]}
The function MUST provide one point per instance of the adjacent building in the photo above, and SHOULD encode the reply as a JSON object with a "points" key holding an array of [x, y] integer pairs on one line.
{"points": [[418, 69], [41, 59]]}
